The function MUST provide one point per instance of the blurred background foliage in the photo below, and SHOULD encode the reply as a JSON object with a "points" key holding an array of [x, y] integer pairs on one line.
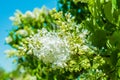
{"points": [[98, 61]]}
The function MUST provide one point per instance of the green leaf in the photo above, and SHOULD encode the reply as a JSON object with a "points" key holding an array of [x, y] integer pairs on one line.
{"points": [[115, 39], [119, 72], [108, 11], [114, 4], [114, 58], [118, 4], [98, 38]]}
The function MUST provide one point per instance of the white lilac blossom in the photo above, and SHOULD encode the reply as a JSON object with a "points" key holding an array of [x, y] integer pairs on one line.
{"points": [[50, 48], [83, 34], [35, 15], [8, 39], [29, 14], [22, 32], [16, 19], [11, 52]]}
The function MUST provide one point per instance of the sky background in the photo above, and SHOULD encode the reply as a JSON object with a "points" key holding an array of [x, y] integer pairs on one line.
{"points": [[7, 9]]}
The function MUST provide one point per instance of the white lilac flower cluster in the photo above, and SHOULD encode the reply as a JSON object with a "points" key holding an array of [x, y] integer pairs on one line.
{"points": [[50, 48], [35, 15], [22, 32]]}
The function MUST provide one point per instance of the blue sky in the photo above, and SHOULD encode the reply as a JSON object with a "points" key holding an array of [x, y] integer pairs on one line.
{"points": [[7, 9]]}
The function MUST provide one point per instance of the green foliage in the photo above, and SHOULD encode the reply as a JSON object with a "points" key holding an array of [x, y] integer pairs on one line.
{"points": [[75, 7], [9, 75], [88, 30], [3, 74]]}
